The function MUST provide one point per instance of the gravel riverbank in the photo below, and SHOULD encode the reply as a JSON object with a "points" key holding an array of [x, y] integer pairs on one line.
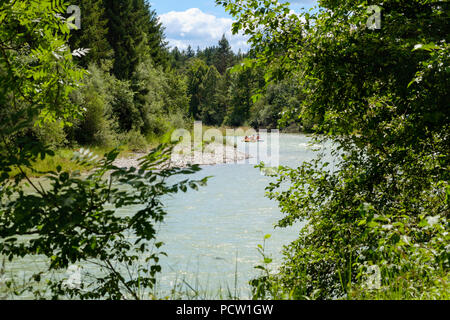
{"points": [[212, 154]]}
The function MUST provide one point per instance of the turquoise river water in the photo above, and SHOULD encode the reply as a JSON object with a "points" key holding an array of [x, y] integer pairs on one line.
{"points": [[211, 235]]}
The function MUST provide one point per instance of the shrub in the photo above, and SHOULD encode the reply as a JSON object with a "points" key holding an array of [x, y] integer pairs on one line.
{"points": [[383, 97], [123, 105], [97, 125], [74, 222], [135, 141], [158, 96], [51, 134]]}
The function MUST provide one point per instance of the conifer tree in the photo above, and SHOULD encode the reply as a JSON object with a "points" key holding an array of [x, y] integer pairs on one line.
{"points": [[148, 20], [224, 57], [196, 73], [210, 114], [134, 33], [190, 52], [241, 91], [93, 33]]}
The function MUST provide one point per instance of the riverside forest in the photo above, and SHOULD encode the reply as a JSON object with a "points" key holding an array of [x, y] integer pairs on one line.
{"points": [[98, 201]]}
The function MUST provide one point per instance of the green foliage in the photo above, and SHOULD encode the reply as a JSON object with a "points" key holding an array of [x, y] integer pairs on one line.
{"points": [[267, 286], [241, 90], [62, 158], [74, 219], [124, 107], [93, 33], [35, 62], [134, 33], [177, 59], [211, 111], [51, 134], [218, 96], [152, 103], [196, 73], [135, 141], [154, 32], [383, 96], [277, 99], [176, 99], [224, 58], [159, 96], [98, 124]]}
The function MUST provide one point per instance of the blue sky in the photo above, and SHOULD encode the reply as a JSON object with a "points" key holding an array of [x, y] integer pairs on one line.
{"points": [[200, 23]]}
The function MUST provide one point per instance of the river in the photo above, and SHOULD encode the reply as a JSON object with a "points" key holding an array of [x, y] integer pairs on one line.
{"points": [[211, 235]]}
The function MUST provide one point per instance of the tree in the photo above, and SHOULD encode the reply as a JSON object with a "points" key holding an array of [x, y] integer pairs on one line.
{"points": [[159, 97], [134, 33], [208, 55], [383, 96], [149, 21], [98, 125], [196, 73], [224, 56], [211, 114], [124, 36], [93, 33], [190, 52], [241, 92], [177, 59], [277, 99], [73, 220], [138, 41]]}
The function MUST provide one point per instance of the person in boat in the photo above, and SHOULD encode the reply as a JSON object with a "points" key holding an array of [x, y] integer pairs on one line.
{"points": [[247, 139]]}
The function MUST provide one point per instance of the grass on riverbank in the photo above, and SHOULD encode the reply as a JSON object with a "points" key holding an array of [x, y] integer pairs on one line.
{"points": [[399, 289], [62, 158], [404, 288]]}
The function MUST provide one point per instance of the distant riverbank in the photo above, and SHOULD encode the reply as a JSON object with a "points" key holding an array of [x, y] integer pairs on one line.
{"points": [[212, 154]]}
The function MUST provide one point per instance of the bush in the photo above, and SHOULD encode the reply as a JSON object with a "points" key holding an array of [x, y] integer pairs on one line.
{"points": [[159, 96], [97, 125], [51, 134], [123, 105], [152, 104], [73, 223], [178, 121], [135, 141], [383, 97]]}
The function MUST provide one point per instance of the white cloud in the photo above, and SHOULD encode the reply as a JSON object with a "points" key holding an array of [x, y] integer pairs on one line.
{"points": [[196, 28]]}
